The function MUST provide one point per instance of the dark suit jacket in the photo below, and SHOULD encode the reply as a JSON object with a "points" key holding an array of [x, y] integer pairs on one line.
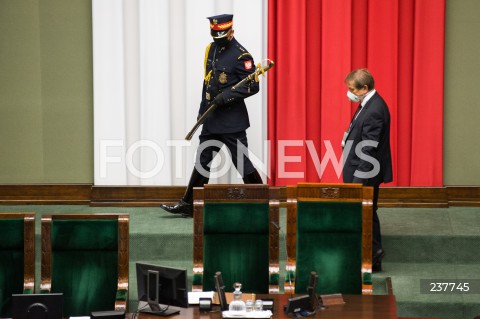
{"points": [[372, 124]]}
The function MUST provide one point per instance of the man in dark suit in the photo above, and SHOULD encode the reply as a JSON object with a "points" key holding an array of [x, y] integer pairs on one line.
{"points": [[226, 63], [366, 146]]}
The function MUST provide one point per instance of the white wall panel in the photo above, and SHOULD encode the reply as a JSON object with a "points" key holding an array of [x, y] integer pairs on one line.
{"points": [[148, 73]]}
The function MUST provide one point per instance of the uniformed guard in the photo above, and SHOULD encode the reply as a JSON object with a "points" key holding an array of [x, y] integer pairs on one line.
{"points": [[226, 63]]}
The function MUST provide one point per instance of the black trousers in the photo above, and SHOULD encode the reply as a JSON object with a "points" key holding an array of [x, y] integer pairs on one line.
{"points": [[210, 145], [376, 234]]}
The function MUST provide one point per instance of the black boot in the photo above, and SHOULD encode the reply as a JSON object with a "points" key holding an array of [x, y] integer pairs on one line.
{"points": [[377, 260], [253, 178], [185, 206]]}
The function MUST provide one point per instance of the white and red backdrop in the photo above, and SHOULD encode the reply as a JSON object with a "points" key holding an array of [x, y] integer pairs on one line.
{"points": [[148, 72]]}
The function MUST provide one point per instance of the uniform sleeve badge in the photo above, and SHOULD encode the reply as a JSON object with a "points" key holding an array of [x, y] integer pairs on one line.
{"points": [[222, 78], [248, 64]]}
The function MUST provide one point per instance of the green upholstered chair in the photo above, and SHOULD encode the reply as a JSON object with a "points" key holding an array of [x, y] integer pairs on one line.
{"points": [[236, 232], [85, 257], [17, 257], [329, 231]]}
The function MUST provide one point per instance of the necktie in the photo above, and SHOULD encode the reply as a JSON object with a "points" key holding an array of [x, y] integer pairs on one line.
{"points": [[355, 116], [357, 111]]}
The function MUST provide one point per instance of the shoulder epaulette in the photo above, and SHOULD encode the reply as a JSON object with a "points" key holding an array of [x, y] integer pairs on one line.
{"points": [[244, 54], [239, 46]]}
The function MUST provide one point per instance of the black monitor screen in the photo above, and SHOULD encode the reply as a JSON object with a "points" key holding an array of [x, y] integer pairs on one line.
{"points": [[171, 289], [37, 306], [311, 289], [220, 287]]}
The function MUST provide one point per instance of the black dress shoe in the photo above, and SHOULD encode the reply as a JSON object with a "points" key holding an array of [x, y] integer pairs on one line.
{"points": [[377, 260], [181, 208]]}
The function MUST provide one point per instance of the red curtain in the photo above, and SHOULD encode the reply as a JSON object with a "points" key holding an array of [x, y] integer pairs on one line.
{"points": [[315, 44]]}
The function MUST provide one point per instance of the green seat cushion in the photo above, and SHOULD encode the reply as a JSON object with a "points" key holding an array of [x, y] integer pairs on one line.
{"points": [[329, 242], [329, 217], [11, 263], [248, 218], [85, 264], [236, 242], [12, 231], [240, 257], [87, 279], [11, 279], [84, 235]]}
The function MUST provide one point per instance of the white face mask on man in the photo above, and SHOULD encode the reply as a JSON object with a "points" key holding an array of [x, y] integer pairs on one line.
{"points": [[352, 97]]}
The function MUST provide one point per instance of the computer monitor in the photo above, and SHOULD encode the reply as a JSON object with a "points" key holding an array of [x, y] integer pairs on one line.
{"points": [[162, 285], [311, 290], [220, 287], [37, 306], [306, 305]]}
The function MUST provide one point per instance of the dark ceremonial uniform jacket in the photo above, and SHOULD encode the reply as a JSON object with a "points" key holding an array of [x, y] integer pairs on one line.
{"points": [[373, 123], [225, 67]]}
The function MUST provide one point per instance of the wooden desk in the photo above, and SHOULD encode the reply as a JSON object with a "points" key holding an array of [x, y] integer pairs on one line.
{"points": [[355, 307]]}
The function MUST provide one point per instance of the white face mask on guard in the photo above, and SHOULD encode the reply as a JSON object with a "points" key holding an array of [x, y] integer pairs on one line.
{"points": [[352, 97]]}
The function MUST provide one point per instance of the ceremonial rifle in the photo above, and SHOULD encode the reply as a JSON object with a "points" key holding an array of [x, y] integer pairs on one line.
{"points": [[251, 77]]}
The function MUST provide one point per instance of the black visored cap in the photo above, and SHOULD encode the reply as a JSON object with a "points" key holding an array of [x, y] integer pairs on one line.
{"points": [[220, 24]]}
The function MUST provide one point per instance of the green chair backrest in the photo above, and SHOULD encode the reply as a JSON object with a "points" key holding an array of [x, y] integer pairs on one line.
{"points": [[85, 264], [329, 242], [11, 262], [236, 242]]}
